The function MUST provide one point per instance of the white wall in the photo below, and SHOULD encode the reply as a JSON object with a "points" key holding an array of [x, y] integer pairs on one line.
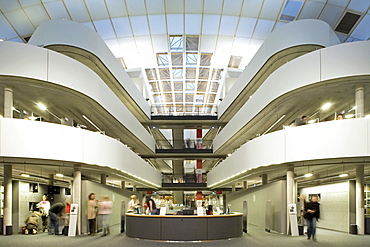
{"points": [[334, 205], [286, 146], [41, 140], [257, 198], [54, 68], [311, 69], [302, 32]]}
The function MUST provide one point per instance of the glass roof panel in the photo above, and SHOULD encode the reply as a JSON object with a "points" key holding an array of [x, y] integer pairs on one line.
{"points": [[176, 43], [176, 59], [162, 59]]}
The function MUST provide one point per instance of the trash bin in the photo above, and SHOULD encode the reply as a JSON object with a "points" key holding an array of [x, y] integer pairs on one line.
{"points": [[353, 229], [300, 229]]}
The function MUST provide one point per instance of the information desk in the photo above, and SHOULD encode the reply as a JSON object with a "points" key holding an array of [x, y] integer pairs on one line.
{"points": [[184, 227]]}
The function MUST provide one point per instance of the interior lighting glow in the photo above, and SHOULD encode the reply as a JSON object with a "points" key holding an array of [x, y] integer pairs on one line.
{"points": [[307, 175], [59, 175], [42, 106], [311, 121], [25, 175], [228, 155], [349, 116], [326, 106], [367, 116], [343, 175]]}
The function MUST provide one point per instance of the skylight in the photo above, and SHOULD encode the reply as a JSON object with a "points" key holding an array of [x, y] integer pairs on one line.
{"points": [[291, 10], [184, 81]]}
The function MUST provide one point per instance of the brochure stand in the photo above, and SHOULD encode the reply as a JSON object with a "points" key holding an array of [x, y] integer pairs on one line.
{"points": [[73, 220], [292, 209]]}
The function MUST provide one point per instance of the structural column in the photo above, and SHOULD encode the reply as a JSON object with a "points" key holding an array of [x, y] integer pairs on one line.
{"points": [[8, 102], [103, 179], [51, 179], [8, 214], [199, 171], [123, 185], [360, 101], [289, 191], [360, 213], [134, 188], [76, 194], [264, 179], [245, 185]]}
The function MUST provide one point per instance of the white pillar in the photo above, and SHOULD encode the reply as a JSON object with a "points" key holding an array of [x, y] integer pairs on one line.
{"points": [[360, 213], [134, 188], [360, 101], [8, 214], [76, 194], [233, 188], [289, 191], [8, 102], [103, 179]]}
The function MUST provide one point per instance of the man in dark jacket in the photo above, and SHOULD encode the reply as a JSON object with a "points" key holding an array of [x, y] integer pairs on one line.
{"points": [[55, 211], [312, 215]]}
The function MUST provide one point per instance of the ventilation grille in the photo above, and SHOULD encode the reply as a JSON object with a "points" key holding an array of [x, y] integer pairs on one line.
{"points": [[347, 23]]}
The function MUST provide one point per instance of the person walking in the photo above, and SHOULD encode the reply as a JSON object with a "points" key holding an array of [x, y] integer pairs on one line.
{"points": [[312, 215], [105, 209], [91, 208]]}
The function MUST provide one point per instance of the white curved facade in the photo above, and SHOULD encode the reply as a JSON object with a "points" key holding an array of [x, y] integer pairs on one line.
{"points": [[312, 69], [63, 32], [51, 67], [323, 141], [298, 33], [54, 142]]}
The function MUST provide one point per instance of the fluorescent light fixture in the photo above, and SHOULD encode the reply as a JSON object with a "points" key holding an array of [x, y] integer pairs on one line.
{"points": [[349, 116], [228, 155], [326, 106], [42, 106], [14, 109], [343, 175], [25, 175], [353, 108], [311, 121], [59, 175], [307, 175]]}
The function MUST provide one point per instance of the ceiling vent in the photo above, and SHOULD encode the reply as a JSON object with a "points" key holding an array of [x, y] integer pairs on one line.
{"points": [[234, 62], [347, 23]]}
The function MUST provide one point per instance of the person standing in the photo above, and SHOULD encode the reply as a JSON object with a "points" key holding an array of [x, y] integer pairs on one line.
{"points": [[153, 210], [44, 207], [105, 209], [54, 212], [132, 204], [312, 215], [91, 208]]}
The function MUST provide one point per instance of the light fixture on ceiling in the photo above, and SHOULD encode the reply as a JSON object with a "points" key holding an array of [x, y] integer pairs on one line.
{"points": [[343, 175], [15, 109], [95, 126], [59, 175], [228, 155], [25, 175], [349, 116], [44, 108], [352, 109], [326, 106], [307, 175]]}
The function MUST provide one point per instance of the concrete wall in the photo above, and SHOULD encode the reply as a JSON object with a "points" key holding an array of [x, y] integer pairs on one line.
{"points": [[257, 198], [334, 205], [21, 198], [116, 195]]}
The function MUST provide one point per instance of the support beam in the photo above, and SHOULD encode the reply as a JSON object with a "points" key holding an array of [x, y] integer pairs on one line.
{"points": [[360, 101], [8, 102], [76, 194], [360, 212], [103, 179], [8, 200]]}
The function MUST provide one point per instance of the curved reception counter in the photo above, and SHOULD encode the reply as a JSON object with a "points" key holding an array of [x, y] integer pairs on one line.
{"points": [[184, 227]]}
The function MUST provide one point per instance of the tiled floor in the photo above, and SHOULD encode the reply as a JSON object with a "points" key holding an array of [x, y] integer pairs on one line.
{"points": [[255, 237]]}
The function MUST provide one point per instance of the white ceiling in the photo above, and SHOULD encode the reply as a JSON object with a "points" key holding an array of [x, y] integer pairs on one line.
{"points": [[135, 30]]}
